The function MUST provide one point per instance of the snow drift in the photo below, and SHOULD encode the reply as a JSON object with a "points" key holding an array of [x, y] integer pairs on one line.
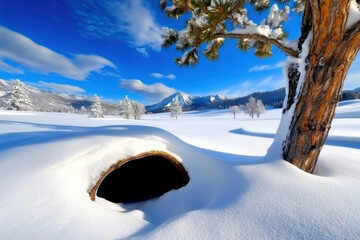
{"points": [[49, 162]]}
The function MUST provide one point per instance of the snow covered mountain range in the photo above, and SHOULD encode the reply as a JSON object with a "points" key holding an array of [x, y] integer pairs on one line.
{"points": [[271, 98], [187, 102], [48, 101]]}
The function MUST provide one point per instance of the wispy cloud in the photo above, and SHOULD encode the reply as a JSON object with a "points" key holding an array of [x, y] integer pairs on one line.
{"points": [[131, 20], [250, 86], [143, 51], [352, 80], [64, 88], [110, 74], [160, 75], [22, 50], [154, 92], [266, 67], [10, 69]]}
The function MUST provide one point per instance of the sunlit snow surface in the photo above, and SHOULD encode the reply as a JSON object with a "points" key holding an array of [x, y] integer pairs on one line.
{"points": [[48, 161]]}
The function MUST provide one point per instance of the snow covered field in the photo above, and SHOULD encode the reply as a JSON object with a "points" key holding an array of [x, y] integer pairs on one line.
{"points": [[237, 190]]}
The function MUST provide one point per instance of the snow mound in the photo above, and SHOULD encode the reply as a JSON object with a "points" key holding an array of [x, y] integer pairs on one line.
{"points": [[50, 161], [58, 168]]}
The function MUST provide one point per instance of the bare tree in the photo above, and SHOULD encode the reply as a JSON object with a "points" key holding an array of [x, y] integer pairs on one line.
{"points": [[234, 110], [250, 107], [260, 108]]}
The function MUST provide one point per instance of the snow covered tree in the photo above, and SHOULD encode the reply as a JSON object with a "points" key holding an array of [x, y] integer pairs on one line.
{"points": [[234, 110], [19, 98], [138, 110], [131, 109], [175, 108], [260, 108], [96, 109], [125, 108], [317, 62], [83, 110], [250, 107]]}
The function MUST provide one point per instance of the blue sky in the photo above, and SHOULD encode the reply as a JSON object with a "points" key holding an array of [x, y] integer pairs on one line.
{"points": [[112, 48]]}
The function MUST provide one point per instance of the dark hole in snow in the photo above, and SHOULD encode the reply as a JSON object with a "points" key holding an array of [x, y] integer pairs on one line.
{"points": [[142, 179]]}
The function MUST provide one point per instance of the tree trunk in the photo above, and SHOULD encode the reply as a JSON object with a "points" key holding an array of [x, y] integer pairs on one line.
{"points": [[332, 49]]}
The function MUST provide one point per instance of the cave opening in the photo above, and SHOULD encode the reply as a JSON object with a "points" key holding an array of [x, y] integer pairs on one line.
{"points": [[142, 179]]}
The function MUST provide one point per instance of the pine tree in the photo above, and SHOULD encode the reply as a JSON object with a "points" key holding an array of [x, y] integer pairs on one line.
{"points": [[19, 98], [234, 110], [126, 108], [175, 109], [83, 110], [138, 110], [316, 68], [96, 109]]}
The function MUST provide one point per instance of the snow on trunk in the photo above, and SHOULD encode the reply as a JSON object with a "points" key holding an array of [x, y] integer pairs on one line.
{"points": [[288, 113]]}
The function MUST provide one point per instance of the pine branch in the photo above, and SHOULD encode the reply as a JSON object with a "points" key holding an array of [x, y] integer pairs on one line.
{"points": [[233, 10], [258, 37]]}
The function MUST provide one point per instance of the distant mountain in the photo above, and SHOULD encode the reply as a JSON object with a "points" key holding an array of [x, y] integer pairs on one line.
{"points": [[58, 102], [163, 106], [350, 94], [43, 100], [271, 98], [187, 102]]}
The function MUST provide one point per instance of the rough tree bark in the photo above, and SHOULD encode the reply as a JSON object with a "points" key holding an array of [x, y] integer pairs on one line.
{"points": [[332, 49]]}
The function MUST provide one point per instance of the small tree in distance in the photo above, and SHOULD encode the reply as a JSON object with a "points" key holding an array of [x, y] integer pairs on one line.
{"points": [[234, 110], [138, 109], [175, 109], [125, 108], [131, 109], [83, 110], [250, 107], [96, 109], [260, 108], [19, 99]]}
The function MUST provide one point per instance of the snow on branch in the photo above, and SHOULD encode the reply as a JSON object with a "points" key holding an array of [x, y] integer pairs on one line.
{"points": [[238, 34], [354, 14], [212, 21]]}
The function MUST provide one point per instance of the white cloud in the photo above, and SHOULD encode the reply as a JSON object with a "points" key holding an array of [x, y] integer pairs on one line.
{"points": [[266, 67], [352, 79], [10, 69], [129, 19], [137, 20], [24, 51], [250, 86], [154, 92], [110, 74], [60, 87], [160, 75], [143, 51]]}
